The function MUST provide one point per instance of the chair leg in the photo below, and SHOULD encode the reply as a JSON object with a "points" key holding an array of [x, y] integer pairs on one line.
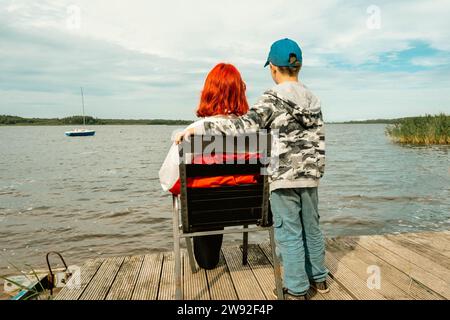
{"points": [[191, 255], [245, 247], [177, 251], [276, 267]]}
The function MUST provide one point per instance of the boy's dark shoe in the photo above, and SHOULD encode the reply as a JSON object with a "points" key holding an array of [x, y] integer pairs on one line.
{"points": [[289, 296], [321, 287]]}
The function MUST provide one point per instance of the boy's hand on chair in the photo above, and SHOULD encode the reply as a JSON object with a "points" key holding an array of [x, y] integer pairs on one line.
{"points": [[179, 137]]}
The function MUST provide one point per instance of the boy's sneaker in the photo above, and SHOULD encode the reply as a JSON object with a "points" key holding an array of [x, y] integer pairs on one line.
{"points": [[321, 287], [289, 296]]}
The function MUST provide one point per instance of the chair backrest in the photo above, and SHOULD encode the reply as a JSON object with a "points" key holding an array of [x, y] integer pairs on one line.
{"points": [[204, 209]]}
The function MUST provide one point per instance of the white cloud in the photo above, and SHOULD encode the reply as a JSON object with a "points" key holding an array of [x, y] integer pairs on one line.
{"points": [[155, 54], [431, 61], [228, 29]]}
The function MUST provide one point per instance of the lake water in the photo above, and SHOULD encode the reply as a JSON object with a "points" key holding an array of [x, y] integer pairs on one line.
{"points": [[100, 196]]}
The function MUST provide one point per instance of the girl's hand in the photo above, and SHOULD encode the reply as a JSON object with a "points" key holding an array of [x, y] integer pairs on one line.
{"points": [[179, 137]]}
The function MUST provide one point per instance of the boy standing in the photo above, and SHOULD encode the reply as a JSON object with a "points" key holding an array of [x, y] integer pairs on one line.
{"points": [[295, 112]]}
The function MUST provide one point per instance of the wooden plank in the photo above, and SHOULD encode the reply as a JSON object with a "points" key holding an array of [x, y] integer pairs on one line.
{"points": [[443, 235], [167, 281], [350, 280], [88, 270], [98, 288], [433, 241], [267, 250], [413, 257], [412, 265], [400, 279], [148, 280], [351, 259], [124, 284], [413, 271], [337, 292], [247, 287], [426, 251], [219, 281], [195, 284], [263, 271]]}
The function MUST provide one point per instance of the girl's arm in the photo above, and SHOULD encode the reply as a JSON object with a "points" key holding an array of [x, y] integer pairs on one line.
{"points": [[169, 172], [258, 117]]}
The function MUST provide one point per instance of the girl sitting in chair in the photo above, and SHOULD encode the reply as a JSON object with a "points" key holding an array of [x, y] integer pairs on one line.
{"points": [[223, 97]]}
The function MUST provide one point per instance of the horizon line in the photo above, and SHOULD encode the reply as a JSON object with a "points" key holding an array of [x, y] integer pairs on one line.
{"points": [[193, 120]]}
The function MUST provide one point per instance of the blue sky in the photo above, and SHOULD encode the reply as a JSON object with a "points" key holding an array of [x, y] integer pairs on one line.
{"points": [[148, 59]]}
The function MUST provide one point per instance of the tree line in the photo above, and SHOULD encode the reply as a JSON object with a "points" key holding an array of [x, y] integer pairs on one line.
{"points": [[78, 120]]}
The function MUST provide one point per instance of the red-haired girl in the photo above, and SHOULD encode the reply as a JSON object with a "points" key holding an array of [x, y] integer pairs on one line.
{"points": [[223, 97]]}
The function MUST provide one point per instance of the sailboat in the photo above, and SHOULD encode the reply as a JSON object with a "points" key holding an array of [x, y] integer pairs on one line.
{"points": [[83, 132]]}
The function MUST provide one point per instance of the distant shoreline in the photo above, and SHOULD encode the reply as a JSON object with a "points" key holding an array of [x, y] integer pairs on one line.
{"points": [[103, 124], [7, 120], [142, 124]]}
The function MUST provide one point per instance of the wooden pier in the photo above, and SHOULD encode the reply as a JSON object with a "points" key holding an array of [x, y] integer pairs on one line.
{"points": [[411, 266]]}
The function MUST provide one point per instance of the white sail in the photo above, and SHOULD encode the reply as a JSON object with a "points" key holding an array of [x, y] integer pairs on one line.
{"points": [[81, 132]]}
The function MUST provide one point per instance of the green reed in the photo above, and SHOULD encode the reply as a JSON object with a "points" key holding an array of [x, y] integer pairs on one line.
{"points": [[429, 129]]}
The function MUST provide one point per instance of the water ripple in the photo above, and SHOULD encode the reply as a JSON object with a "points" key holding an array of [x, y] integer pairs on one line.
{"points": [[110, 201]]}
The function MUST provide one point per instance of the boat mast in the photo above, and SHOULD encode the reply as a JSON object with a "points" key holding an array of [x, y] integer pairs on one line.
{"points": [[82, 100]]}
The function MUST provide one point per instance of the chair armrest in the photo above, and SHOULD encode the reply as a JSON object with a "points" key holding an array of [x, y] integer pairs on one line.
{"points": [[176, 210], [175, 204]]}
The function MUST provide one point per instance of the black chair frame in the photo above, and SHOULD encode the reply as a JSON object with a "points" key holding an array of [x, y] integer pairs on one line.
{"points": [[233, 209]]}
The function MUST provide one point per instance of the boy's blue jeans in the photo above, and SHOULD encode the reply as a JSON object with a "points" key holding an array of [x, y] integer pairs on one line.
{"points": [[299, 238]]}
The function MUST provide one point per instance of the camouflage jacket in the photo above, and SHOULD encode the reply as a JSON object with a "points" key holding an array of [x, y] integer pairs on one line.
{"points": [[293, 114]]}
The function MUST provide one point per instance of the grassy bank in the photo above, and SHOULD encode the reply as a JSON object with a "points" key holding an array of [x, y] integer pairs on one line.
{"points": [[78, 120], [421, 130]]}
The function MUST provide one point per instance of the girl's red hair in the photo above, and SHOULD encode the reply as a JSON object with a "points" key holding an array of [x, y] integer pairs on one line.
{"points": [[223, 93]]}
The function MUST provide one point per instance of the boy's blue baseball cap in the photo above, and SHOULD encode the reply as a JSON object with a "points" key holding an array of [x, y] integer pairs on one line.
{"points": [[282, 51]]}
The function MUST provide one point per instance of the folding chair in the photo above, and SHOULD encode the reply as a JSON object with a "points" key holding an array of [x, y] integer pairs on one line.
{"points": [[244, 208]]}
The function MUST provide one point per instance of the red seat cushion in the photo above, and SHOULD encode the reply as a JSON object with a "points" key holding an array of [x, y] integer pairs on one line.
{"points": [[216, 182], [219, 181]]}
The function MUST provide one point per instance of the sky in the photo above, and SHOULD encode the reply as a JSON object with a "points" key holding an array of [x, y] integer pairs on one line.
{"points": [[144, 59]]}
